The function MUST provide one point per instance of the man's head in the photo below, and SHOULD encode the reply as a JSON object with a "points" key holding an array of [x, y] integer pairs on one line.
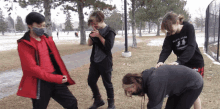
{"points": [[132, 84], [36, 23]]}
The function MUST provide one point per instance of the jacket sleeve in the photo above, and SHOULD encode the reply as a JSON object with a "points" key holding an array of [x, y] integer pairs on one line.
{"points": [[30, 67], [109, 42], [190, 50], [166, 50], [156, 93]]}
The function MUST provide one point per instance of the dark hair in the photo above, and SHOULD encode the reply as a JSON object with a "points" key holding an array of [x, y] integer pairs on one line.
{"points": [[169, 19], [132, 79], [99, 17], [136, 79], [34, 17]]}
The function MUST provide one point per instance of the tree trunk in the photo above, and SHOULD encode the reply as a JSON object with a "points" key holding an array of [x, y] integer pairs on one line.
{"points": [[122, 29], [149, 27], [47, 14], [158, 28], [133, 25], [140, 35], [81, 23]]}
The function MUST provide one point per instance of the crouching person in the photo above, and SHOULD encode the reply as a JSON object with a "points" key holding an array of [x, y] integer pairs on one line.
{"points": [[181, 84], [44, 73]]}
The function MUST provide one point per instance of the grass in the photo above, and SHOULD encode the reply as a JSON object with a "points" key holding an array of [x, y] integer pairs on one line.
{"points": [[143, 57]]}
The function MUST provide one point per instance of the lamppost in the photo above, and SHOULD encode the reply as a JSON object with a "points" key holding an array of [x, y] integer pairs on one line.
{"points": [[126, 53]]}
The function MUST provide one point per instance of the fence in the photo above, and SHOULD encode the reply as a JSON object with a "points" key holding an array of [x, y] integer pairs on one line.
{"points": [[212, 29]]}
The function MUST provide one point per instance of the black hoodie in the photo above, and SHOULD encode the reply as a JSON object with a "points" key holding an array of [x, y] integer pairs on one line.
{"points": [[105, 50], [184, 45], [168, 80]]}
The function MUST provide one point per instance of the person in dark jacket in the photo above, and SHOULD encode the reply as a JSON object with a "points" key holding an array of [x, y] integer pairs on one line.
{"points": [[182, 86], [44, 73], [102, 39], [181, 39]]}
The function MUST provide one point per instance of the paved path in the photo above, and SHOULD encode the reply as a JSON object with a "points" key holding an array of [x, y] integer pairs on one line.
{"points": [[9, 80]]}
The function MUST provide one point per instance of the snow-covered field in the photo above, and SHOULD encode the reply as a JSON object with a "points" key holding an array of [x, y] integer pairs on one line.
{"points": [[9, 40], [200, 39]]}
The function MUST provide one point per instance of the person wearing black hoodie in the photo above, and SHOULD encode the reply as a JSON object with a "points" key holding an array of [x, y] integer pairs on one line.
{"points": [[181, 39], [182, 86], [102, 39]]}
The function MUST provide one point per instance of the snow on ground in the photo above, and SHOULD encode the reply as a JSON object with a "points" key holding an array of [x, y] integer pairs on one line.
{"points": [[200, 39], [9, 40]]}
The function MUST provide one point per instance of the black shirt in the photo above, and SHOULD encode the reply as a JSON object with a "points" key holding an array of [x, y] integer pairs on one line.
{"points": [[105, 50], [184, 45], [168, 80]]}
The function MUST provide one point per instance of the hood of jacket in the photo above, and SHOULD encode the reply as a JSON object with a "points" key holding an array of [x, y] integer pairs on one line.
{"points": [[103, 32]]}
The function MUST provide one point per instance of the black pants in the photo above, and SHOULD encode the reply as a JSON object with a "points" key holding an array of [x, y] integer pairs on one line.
{"points": [[59, 92], [185, 100], [104, 68]]}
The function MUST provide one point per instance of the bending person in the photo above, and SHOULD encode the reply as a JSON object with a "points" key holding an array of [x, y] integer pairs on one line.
{"points": [[181, 84]]}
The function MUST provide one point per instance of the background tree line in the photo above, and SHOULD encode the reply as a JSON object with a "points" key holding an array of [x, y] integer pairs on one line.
{"points": [[142, 14]]}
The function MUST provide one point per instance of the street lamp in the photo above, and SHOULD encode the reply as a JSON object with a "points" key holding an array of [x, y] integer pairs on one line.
{"points": [[126, 53]]}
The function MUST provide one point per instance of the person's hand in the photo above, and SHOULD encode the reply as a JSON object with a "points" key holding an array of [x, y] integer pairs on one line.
{"points": [[64, 80], [95, 32], [159, 64], [173, 63]]}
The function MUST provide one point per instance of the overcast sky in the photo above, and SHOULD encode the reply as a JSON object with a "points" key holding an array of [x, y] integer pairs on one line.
{"points": [[192, 6]]}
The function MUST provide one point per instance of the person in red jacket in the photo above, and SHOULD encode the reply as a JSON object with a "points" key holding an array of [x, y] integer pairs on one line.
{"points": [[44, 73]]}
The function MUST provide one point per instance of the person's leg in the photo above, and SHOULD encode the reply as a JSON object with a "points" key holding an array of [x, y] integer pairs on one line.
{"points": [[64, 97], [106, 73], [93, 78], [45, 94], [106, 78], [172, 102], [187, 99], [197, 103], [92, 82]]}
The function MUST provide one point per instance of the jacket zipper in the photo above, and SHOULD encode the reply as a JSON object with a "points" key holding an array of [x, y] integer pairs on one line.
{"points": [[38, 80]]}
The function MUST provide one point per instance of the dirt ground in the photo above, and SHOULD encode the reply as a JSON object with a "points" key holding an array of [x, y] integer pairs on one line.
{"points": [[143, 57]]}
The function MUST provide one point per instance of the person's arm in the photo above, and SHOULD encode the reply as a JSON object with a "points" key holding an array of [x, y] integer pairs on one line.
{"points": [[155, 95], [102, 40], [156, 89], [106, 44], [166, 50], [190, 50], [90, 42], [30, 67]]}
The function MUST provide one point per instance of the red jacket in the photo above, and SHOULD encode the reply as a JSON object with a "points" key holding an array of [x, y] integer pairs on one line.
{"points": [[32, 73]]}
